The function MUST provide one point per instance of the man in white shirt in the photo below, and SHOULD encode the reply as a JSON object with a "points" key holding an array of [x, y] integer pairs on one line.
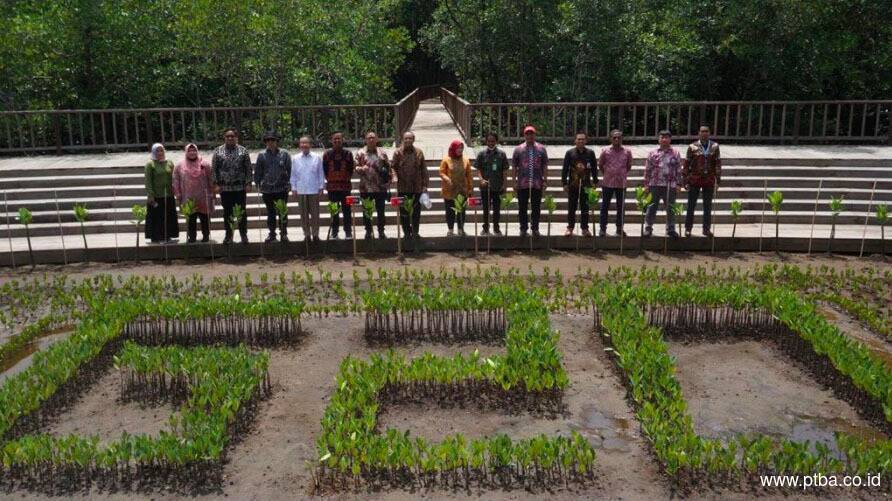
{"points": [[307, 182]]}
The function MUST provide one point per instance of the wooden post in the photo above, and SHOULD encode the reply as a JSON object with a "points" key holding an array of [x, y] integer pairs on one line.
{"points": [[814, 215], [57, 129], [867, 218]]}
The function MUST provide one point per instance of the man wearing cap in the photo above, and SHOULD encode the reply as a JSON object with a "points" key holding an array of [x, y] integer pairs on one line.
{"points": [[530, 162], [662, 173], [702, 173], [577, 175], [272, 175]]}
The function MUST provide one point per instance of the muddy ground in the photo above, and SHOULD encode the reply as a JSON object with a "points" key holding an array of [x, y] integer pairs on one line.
{"points": [[567, 262], [271, 462]]}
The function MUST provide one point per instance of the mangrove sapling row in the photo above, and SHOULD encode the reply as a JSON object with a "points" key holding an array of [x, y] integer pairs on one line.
{"points": [[530, 375], [221, 402], [455, 314], [228, 320], [641, 355]]}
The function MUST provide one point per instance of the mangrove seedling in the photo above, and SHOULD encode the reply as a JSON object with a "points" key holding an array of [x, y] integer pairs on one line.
{"points": [[80, 215], [281, 206], [550, 206], [25, 218], [139, 216], [643, 198], [333, 209], [594, 198], [776, 199], [835, 208], [507, 200], [882, 219]]}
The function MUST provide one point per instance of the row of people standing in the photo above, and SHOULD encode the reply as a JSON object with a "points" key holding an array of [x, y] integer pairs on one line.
{"points": [[307, 175]]}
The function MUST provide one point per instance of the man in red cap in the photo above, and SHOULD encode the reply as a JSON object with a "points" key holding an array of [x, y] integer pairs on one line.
{"points": [[530, 162]]}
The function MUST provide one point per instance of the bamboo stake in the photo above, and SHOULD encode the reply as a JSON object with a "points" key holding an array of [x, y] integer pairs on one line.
{"points": [[579, 203], [620, 214], [211, 197], [260, 220], [399, 243], [867, 218], [164, 222], [61, 234], [352, 233], [114, 220], [814, 215], [762, 224], [476, 218], [9, 228]]}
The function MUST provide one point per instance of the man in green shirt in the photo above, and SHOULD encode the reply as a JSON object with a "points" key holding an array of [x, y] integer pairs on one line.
{"points": [[492, 164]]}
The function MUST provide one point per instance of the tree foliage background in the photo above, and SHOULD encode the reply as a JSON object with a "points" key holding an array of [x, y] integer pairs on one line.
{"points": [[129, 53]]}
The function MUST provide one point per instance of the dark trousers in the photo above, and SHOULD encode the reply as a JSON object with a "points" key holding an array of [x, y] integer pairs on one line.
{"points": [[410, 228], [580, 200], [606, 195], [525, 198], [667, 196], [452, 217], [493, 198], [161, 220], [191, 226], [380, 199], [269, 199], [230, 199], [341, 198], [693, 193]]}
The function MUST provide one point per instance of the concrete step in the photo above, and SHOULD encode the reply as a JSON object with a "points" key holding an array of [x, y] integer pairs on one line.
{"points": [[258, 220]]}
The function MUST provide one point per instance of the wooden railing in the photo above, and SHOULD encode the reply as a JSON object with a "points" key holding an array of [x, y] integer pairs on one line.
{"points": [[460, 110], [789, 122], [63, 131]]}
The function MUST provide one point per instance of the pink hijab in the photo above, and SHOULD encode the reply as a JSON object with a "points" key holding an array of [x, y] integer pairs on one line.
{"points": [[194, 167]]}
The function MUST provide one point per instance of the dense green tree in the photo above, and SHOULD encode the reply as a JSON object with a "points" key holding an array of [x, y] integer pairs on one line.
{"points": [[90, 53]]}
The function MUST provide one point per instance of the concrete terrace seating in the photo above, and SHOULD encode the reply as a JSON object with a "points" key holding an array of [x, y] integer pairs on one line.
{"points": [[110, 184]]}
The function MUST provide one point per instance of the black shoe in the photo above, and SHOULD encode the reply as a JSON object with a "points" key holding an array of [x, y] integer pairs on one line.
{"points": [[245, 239], [270, 238], [524, 234], [316, 238], [205, 238], [381, 235], [602, 232], [672, 234], [687, 233], [619, 232], [707, 232], [368, 235], [227, 240], [497, 231], [190, 240], [648, 232], [348, 235], [536, 233], [284, 239]]}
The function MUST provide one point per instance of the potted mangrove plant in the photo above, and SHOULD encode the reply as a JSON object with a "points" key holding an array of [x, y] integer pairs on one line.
{"points": [[642, 200]]}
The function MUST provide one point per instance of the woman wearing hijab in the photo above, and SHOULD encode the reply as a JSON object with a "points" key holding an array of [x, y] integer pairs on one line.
{"points": [[161, 213], [455, 171], [193, 180]]}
